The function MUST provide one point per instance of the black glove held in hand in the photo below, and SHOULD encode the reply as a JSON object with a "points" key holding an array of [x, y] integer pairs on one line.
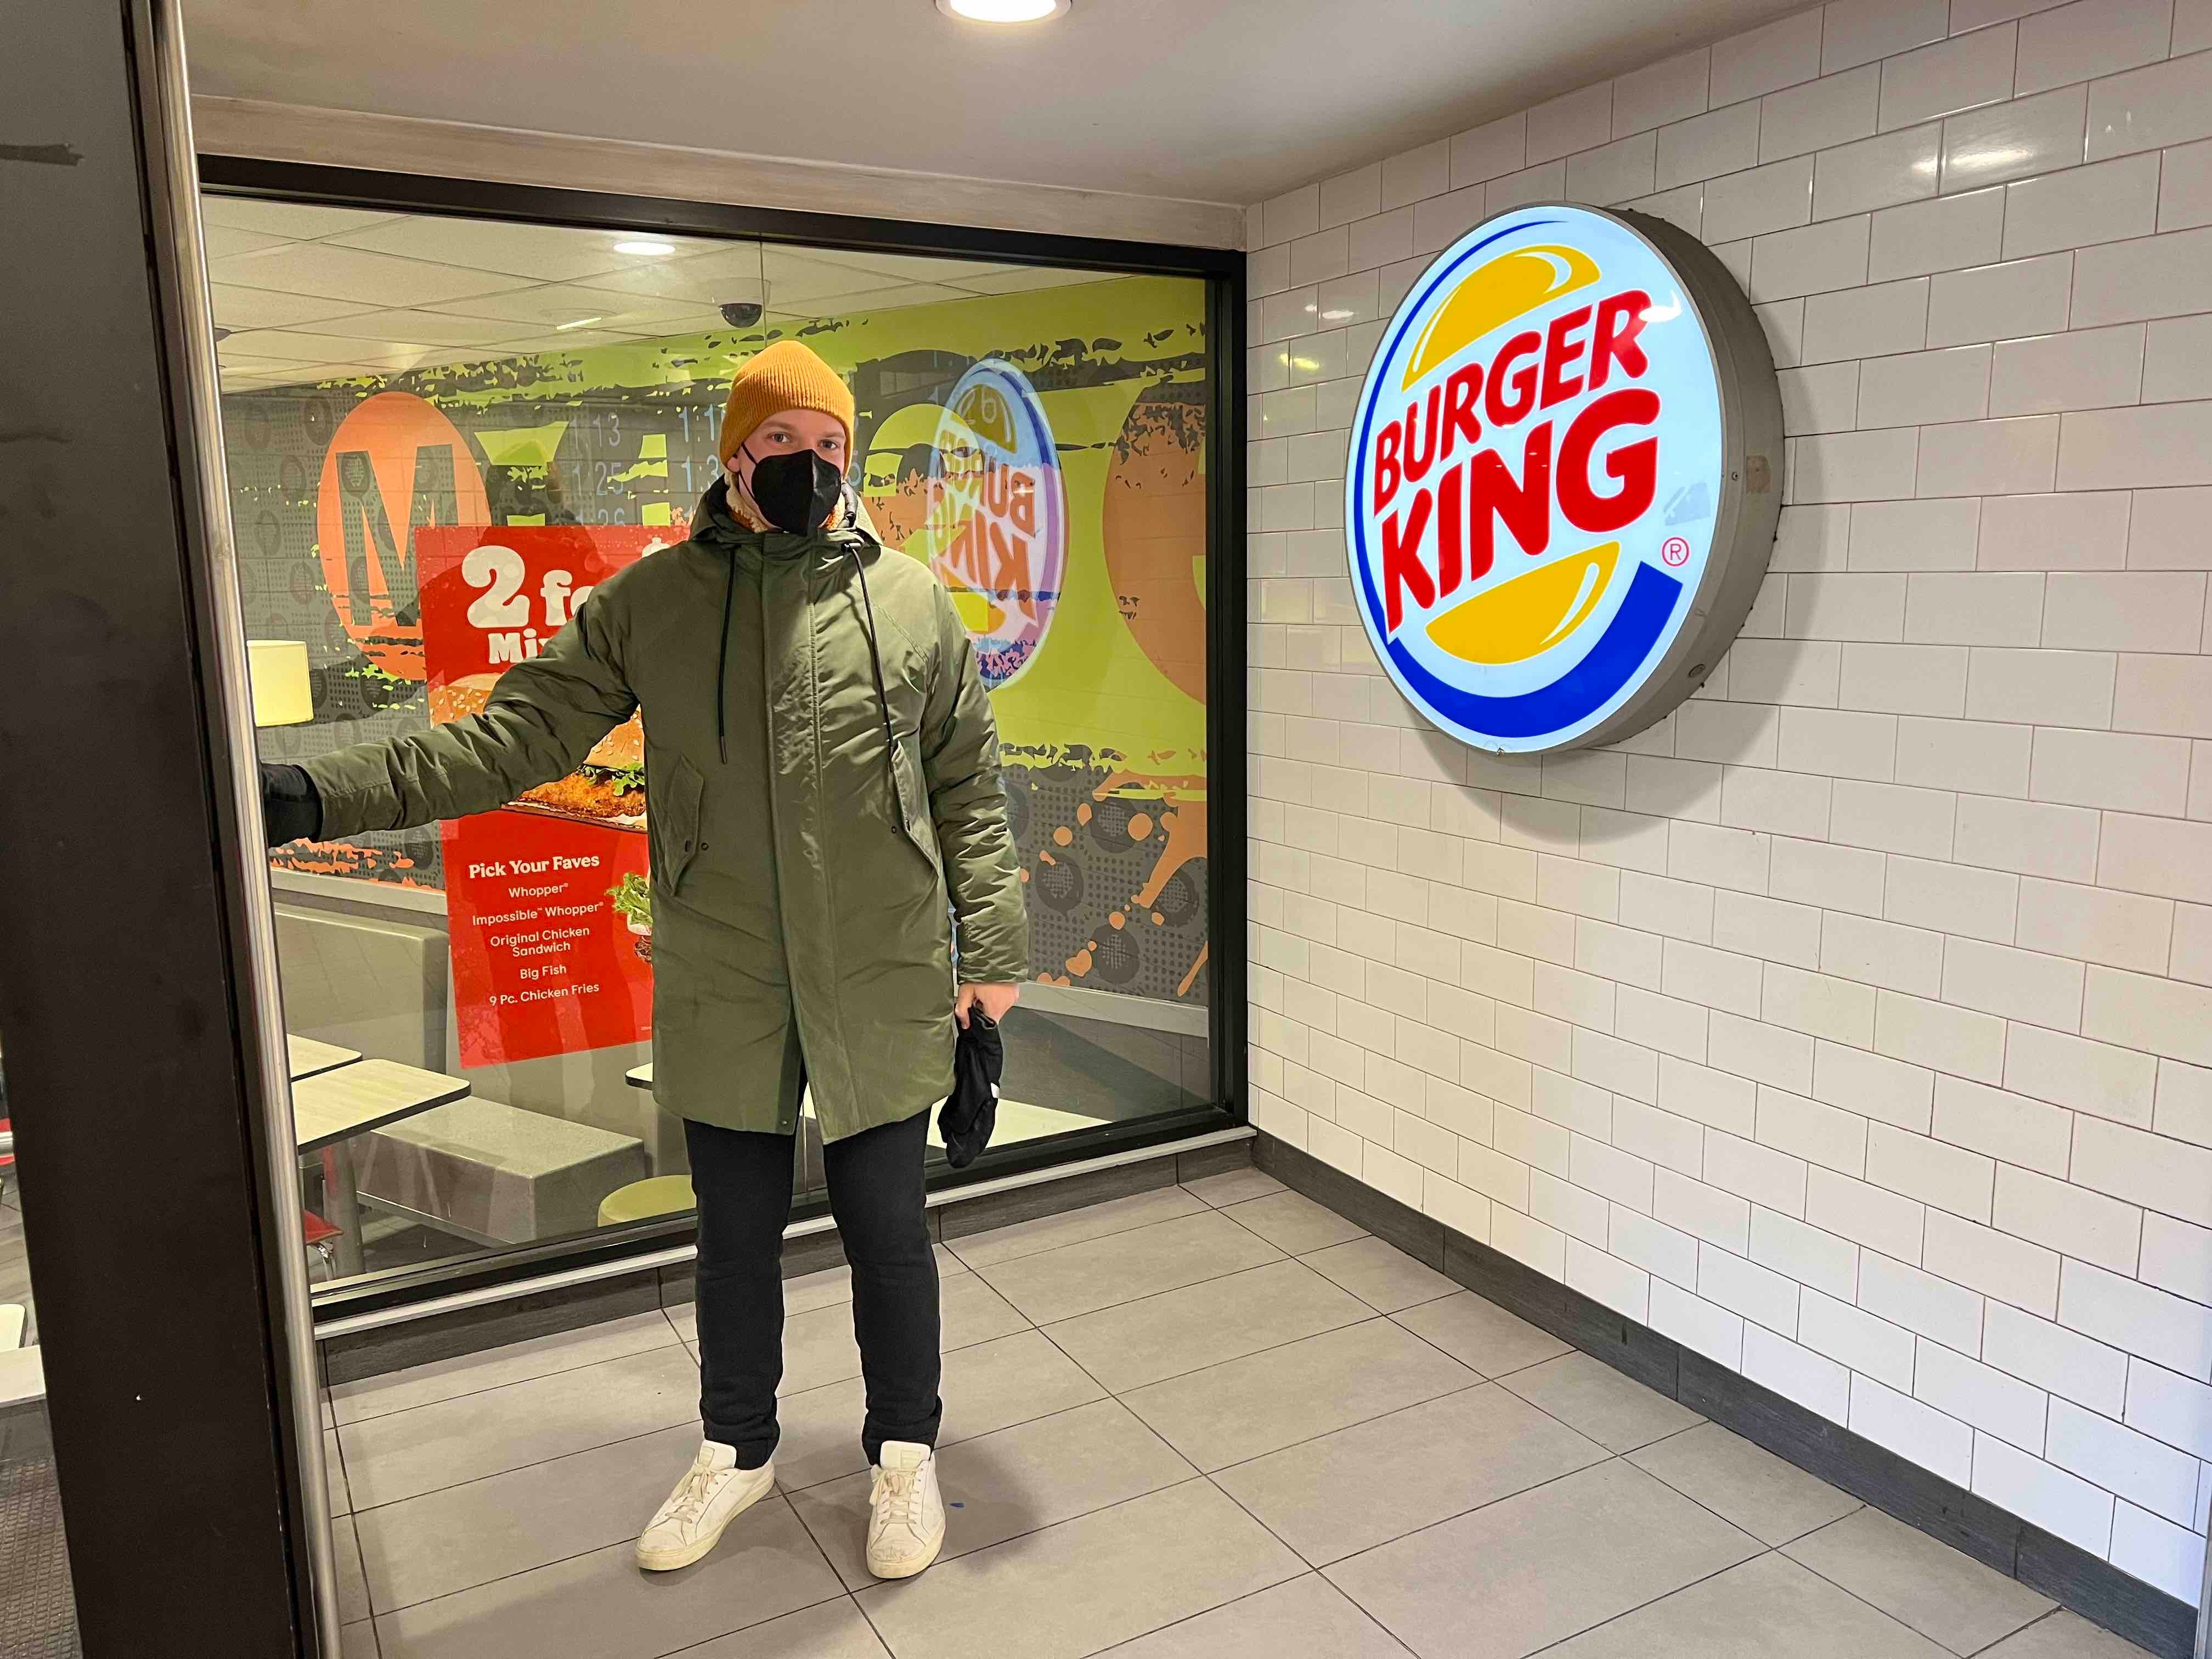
{"points": [[291, 808]]}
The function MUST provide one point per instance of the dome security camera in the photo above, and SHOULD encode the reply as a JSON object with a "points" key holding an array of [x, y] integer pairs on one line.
{"points": [[742, 313]]}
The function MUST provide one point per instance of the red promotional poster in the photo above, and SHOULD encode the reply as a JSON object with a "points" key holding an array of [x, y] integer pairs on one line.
{"points": [[551, 950]]}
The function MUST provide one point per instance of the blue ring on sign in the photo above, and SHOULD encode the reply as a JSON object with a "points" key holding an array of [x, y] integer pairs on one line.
{"points": [[1002, 658], [1581, 691], [1575, 694]]}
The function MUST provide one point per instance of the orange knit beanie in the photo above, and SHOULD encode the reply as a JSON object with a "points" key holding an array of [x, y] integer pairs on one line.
{"points": [[786, 375]]}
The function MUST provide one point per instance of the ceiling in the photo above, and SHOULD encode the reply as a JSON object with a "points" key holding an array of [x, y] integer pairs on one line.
{"points": [[1219, 100], [305, 294]]}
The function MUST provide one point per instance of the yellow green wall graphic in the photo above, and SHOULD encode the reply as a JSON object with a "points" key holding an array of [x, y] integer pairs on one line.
{"points": [[1104, 727]]}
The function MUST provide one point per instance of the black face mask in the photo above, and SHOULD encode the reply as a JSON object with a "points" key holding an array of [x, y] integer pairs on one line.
{"points": [[795, 492]]}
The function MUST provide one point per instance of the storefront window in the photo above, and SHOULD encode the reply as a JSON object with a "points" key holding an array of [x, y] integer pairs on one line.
{"points": [[441, 431]]}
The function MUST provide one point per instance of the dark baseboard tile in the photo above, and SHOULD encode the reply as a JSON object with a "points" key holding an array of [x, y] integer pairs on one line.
{"points": [[2104, 1596], [471, 1330], [1419, 1236], [962, 1217], [1213, 1160], [2095, 1588], [1873, 1473], [2065, 1572]]}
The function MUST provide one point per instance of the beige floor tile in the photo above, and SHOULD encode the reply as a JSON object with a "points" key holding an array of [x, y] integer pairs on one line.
{"points": [[1766, 1607], [1084, 1584], [1309, 1618], [1077, 1279], [495, 1368], [1364, 1486], [989, 1386], [1134, 1343], [820, 1431], [1002, 1485], [353, 1587], [818, 1346], [1050, 1233], [1528, 1570], [601, 1606], [1234, 1186], [832, 1630], [2064, 1635], [334, 1474], [973, 1312], [1908, 1574], [1248, 1407], [1380, 1274], [1481, 1334], [1292, 1222], [406, 1453], [1744, 1484], [459, 1537], [357, 1641], [1588, 1394]]}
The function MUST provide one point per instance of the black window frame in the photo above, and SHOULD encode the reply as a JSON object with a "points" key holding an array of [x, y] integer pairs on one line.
{"points": [[1222, 269]]}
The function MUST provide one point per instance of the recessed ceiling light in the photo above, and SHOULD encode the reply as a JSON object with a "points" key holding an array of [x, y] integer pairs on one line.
{"points": [[646, 250], [562, 328], [1003, 11]]}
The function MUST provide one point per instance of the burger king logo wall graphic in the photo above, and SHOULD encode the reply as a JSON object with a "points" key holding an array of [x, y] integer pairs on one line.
{"points": [[1564, 480], [998, 522]]}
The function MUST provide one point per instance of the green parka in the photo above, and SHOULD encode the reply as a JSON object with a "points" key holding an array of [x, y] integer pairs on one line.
{"points": [[800, 896]]}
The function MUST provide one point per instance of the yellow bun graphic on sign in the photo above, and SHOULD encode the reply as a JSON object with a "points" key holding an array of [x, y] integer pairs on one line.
{"points": [[1515, 620], [977, 614], [1491, 296]]}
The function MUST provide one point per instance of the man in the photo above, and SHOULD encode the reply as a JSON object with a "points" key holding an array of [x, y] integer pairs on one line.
{"points": [[822, 778]]}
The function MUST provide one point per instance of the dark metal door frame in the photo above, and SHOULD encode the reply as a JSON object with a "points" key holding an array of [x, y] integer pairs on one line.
{"points": [[144, 1076]]}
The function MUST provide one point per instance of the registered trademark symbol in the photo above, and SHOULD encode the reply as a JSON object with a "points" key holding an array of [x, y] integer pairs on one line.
{"points": [[1675, 550]]}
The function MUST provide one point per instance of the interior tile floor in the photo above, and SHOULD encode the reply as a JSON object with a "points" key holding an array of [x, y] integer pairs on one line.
{"points": [[1208, 1422]]}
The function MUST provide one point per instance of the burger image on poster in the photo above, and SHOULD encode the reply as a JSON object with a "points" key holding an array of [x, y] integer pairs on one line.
{"points": [[997, 531], [1564, 478], [608, 788]]}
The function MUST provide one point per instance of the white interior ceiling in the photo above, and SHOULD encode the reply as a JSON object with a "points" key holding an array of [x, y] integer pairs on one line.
{"points": [[1219, 100], [307, 294]]}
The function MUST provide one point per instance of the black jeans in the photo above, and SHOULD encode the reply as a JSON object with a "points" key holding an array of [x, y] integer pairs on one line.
{"points": [[743, 1181]]}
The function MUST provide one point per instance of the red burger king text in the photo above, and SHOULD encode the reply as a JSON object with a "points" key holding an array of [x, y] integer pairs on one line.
{"points": [[994, 498], [1440, 533]]}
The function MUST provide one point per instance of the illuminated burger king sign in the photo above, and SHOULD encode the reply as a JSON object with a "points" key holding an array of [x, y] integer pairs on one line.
{"points": [[1564, 478]]}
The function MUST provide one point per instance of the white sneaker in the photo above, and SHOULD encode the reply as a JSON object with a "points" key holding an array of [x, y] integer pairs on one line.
{"points": [[713, 1492], [906, 1512]]}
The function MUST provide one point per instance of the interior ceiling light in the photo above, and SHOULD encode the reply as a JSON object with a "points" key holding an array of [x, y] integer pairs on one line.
{"points": [[646, 250], [562, 328], [1003, 11]]}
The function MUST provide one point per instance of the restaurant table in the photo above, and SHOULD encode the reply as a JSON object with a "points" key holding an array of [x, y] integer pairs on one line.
{"points": [[332, 1107], [309, 1056], [639, 1077]]}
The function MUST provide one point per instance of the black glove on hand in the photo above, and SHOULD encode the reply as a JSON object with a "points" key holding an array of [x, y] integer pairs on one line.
{"points": [[291, 807]]}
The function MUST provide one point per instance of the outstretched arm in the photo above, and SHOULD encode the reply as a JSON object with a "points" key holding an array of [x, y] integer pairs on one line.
{"points": [[541, 721]]}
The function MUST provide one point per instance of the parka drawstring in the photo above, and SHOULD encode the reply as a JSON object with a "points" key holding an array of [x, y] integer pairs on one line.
{"points": [[876, 666], [722, 659]]}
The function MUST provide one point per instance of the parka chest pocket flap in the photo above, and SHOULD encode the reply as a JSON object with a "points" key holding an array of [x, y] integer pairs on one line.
{"points": [[673, 814]]}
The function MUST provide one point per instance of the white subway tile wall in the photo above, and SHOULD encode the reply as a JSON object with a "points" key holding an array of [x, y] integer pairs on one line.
{"points": [[1853, 1025]]}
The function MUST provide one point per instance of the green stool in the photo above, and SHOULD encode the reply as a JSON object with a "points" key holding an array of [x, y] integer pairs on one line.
{"points": [[643, 1200]]}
